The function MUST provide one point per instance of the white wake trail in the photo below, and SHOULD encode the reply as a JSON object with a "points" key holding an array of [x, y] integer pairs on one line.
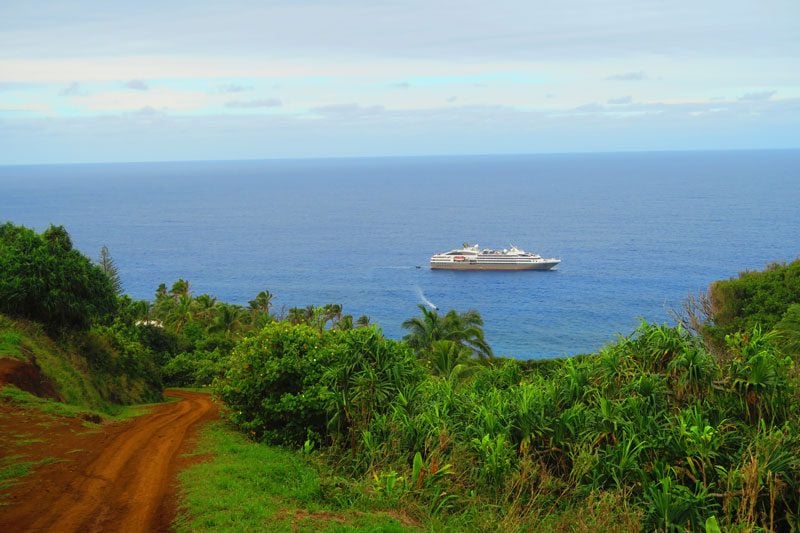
{"points": [[425, 300]]}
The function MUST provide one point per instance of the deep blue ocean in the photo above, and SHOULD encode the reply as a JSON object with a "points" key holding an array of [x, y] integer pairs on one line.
{"points": [[636, 232]]}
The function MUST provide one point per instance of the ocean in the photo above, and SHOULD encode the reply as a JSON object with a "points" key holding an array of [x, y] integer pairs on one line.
{"points": [[636, 232]]}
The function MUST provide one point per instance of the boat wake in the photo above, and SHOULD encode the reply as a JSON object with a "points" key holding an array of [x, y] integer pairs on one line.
{"points": [[425, 300]]}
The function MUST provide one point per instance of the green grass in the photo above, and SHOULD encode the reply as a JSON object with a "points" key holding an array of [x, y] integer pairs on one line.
{"points": [[27, 400], [246, 486], [12, 469], [10, 342], [68, 368]]}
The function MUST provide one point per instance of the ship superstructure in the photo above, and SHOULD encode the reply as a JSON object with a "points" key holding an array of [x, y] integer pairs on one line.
{"points": [[472, 257]]}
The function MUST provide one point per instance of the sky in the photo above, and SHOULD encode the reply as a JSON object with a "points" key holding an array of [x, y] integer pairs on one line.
{"points": [[100, 81]]}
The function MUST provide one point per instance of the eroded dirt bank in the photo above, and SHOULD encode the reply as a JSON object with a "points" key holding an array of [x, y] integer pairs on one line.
{"points": [[121, 477]]}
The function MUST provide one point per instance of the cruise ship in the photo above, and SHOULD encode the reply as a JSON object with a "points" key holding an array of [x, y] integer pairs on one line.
{"points": [[471, 257]]}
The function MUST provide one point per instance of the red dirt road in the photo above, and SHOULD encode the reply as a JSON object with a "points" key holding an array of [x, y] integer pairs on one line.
{"points": [[118, 478]]}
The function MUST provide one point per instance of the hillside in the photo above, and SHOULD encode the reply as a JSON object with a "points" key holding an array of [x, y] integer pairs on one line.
{"points": [[84, 369]]}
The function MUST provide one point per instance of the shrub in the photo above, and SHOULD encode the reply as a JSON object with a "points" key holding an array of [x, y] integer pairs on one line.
{"points": [[43, 278], [272, 386]]}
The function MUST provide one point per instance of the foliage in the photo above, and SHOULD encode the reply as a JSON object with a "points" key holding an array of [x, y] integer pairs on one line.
{"points": [[464, 329], [43, 278], [96, 369], [245, 486], [654, 419], [106, 264], [273, 385], [788, 332], [754, 298]]}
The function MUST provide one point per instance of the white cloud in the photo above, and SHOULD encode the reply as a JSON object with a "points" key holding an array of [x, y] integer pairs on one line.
{"points": [[621, 100], [757, 96], [628, 76], [136, 85], [115, 101], [73, 89], [254, 104], [233, 88]]}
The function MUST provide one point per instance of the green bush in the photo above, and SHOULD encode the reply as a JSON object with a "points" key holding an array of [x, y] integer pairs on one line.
{"points": [[273, 384], [43, 278], [754, 298]]}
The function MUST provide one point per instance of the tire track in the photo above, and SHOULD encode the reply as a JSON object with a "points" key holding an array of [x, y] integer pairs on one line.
{"points": [[124, 483]]}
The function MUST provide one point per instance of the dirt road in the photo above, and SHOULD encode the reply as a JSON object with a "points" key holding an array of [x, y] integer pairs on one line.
{"points": [[118, 478]]}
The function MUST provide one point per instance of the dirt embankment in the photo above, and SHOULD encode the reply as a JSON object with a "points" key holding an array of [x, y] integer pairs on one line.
{"points": [[28, 377], [121, 477]]}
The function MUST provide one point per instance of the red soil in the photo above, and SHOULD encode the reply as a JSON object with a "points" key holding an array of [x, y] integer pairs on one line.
{"points": [[117, 477], [28, 377]]}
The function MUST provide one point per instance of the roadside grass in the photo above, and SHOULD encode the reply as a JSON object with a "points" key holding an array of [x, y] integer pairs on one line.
{"points": [[12, 469], [21, 339], [70, 371], [247, 486], [26, 400], [10, 342]]}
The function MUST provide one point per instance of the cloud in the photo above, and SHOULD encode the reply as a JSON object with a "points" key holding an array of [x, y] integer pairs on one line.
{"points": [[589, 108], [628, 76], [348, 110], [73, 89], [147, 111], [758, 96], [253, 104], [621, 100], [16, 85], [233, 88], [452, 99], [402, 85], [136, 85]]}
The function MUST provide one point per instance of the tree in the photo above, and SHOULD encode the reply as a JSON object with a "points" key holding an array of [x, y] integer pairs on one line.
{"points": [[262, 302], [228, 319], [106, 263], [43, 278], [465, 329], [180, 288], [273, 384]]}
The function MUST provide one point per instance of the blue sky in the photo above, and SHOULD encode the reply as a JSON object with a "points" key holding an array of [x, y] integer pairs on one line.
{"points": [[90, 81]]}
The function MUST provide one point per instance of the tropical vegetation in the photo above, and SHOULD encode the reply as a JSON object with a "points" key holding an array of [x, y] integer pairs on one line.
{"points": [[673, 427]]}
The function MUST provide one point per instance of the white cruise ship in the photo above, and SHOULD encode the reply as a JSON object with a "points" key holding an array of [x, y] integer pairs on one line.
{"points": [[471, 257]]}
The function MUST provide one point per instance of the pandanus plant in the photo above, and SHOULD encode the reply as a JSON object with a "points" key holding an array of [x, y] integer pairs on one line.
{"points": [[760, 374]]}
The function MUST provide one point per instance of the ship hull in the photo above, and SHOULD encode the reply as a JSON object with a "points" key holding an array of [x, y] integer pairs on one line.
{"points": [[545, 265]]}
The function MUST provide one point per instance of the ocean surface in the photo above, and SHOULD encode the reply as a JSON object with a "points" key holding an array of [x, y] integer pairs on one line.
{"points": [[636, 232]]}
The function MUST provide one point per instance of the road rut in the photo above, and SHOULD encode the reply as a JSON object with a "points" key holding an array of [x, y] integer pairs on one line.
{"points": [[123, 479]]}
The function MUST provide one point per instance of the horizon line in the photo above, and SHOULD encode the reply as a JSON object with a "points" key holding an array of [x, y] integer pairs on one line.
{"points": [[406, 156]]}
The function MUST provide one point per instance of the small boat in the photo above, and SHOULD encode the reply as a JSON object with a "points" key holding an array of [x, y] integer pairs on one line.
{"points": [[472, 257]]}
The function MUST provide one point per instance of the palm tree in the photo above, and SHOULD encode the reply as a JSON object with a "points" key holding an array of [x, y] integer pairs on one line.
{"points": [[331, 313], [180, 314], [297, 315], [345, 323], [228, 320], [180, 288], [204, 307], [262, 302], [423, 330], [449, 360], [465, 329]]}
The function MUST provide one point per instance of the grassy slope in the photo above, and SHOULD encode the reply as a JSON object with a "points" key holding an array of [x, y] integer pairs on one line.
{"points": [[72, 378], [27, 400], [246, 486], [69, 371]]}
